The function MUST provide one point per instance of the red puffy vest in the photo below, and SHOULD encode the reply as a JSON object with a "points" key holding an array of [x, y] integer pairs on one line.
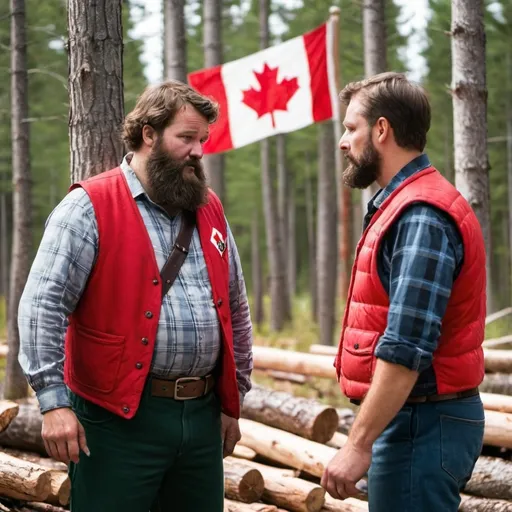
{"points": [[458, 361], [111, 334]]}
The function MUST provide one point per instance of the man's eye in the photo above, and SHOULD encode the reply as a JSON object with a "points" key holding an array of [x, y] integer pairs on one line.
{"points": [[186, 138]]}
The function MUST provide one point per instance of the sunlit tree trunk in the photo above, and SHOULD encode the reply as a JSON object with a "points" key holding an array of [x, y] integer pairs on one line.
{"points": [[310, 228], [257, 275]]}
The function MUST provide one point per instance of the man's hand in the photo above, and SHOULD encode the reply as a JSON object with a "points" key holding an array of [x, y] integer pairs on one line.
{"points": [[346, 468], [63, 435], [230, 432]]}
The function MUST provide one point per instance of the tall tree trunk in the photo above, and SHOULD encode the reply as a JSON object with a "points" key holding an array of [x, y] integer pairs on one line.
{"points": [[212, 26], [257, 275], [175, 40], [4, 242], [291, 243], [95, 86], [327, 234], [469, 93], [15, 382], [280, 310], [285, 214], [344, 194], [310, 227], [375, 57], [509, 161]]}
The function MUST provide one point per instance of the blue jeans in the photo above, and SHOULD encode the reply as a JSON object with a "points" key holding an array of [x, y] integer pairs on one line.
{"points": [[425, 456]]}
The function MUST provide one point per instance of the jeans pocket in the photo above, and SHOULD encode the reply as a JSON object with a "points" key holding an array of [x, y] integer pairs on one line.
{"points": [[90, 413], [461, 444]]}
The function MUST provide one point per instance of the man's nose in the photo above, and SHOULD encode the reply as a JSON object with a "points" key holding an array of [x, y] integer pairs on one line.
{"points": [[343, 144], [197, 151]]}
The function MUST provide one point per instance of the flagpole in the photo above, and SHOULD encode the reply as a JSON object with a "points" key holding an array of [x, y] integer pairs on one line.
{"points": [[343, 193]]}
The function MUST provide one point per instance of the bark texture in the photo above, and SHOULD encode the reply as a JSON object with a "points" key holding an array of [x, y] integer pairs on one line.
{"points": [[212, 26], [175, 40], [15, 384], [301, 416], [491, 478], [327, 234], [23, 480], [280, 309], [242, 483], [469, 93], [95, 86]]}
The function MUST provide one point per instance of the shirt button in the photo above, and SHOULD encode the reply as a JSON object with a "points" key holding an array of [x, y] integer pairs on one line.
{"points": [[138, 366], [155, 281], [144, 341], [356, 346], [149, 314], [126, 409]]}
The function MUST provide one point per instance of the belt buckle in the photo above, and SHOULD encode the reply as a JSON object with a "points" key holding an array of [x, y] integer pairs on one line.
{"points": [[177, 387]]}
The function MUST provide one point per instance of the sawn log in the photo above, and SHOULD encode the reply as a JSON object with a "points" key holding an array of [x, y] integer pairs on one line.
{"points": [[307, 418]]}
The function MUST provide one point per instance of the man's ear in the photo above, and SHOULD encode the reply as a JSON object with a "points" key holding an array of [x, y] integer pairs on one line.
{"points": [[382, 129], [149, 135]]}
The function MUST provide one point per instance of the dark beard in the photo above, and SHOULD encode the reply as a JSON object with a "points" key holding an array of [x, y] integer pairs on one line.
{"points": [[363, 172], [169, 188]]}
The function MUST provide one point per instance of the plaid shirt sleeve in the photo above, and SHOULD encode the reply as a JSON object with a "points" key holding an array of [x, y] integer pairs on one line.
{"points": [[421, 256], [240, 319], [55, 283]]}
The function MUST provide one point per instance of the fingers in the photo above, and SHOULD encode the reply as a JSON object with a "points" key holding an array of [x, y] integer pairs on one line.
{"points": [[82, 441], [338, 488], [232, 436]]}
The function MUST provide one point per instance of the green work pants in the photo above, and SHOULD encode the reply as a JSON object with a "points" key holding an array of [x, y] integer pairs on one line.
{"points": [[168, 458]]}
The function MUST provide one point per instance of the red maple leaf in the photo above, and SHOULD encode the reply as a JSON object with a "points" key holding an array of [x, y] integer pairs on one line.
{"points": [[272, 96]]}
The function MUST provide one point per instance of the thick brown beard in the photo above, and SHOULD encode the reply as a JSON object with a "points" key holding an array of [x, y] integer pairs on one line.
{"points": [[363, 172], [169, 188]]}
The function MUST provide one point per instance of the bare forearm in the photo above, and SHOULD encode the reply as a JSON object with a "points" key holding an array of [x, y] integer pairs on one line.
{"points": [[391, 385]]}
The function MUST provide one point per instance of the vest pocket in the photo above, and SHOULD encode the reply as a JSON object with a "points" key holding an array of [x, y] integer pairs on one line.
{"points": [[96, 358], [357, 360]]}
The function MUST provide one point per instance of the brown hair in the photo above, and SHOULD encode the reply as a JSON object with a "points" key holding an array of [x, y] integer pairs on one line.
{"points": [[157, 107], [403, 103]]}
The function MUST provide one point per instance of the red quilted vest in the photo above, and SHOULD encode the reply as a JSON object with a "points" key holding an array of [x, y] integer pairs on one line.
{"points": [[111, 334], [458, 361]]}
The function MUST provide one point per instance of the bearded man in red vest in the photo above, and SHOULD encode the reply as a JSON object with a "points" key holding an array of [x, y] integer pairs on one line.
{"points": [[140, 362], [410, 352]]}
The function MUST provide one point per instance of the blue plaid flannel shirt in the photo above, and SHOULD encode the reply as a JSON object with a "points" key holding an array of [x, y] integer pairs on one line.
{"points": [[419, 259], [188, 339]]}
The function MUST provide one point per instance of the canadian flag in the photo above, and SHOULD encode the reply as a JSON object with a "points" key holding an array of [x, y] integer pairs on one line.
{"points": [[278, 90]]}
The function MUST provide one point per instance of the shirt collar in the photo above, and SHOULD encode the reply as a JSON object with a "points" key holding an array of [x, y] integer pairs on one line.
{"points": [[418, 164], [134, 184]]}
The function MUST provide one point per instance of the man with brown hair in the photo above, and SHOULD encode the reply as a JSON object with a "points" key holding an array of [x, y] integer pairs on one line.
{"points": [[410, 351], [134, 323]]}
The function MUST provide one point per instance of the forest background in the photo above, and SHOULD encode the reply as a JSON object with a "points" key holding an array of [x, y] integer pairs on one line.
{"points": [[307, 150]]}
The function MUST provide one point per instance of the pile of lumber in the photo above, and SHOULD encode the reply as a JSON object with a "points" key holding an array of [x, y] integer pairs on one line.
{"points": [[286, 444]]}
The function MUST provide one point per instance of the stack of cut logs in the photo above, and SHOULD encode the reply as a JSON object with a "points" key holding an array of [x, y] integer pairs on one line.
{"points": [[286, 443]]}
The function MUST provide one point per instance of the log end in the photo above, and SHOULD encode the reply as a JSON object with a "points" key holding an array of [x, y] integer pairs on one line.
{"points": [[8, 411], [326, 423], [315, 500], [251, 486]]}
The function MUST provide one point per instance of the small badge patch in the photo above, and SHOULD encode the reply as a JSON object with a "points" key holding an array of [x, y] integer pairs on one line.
{"points": [[218, 240]]}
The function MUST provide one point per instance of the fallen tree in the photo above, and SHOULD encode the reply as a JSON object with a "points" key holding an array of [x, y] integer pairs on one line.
{"points": [[491, 478], [477, 504]]}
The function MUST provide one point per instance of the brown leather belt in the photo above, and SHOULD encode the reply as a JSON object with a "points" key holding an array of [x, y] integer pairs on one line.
{"points": [[435, 398], [184, 388]]}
